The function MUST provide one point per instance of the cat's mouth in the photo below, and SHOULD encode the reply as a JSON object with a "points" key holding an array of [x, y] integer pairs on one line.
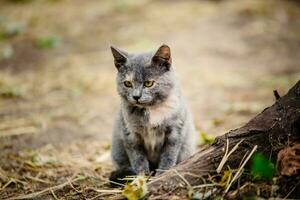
{"points": [[140, 102], [143, 104]]}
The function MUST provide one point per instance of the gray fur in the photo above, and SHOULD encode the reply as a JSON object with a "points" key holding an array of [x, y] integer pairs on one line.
{"points": [[158, 130]]}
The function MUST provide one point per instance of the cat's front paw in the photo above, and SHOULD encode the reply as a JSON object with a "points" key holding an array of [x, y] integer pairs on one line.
{"points": [[143, 170], [119, 175]]}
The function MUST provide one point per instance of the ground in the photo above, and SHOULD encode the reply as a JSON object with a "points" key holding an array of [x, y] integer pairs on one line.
{"points": [[57, 79]]}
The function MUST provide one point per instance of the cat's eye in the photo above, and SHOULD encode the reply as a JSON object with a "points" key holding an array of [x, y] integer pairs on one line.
{"points": [[127, 83], [148, 83]]}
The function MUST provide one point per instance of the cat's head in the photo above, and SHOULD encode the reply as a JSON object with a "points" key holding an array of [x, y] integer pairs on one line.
{"points": [[144, 79]]}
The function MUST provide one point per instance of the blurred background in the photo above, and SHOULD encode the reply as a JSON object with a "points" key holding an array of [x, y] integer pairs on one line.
{"points": [[57, 79]]}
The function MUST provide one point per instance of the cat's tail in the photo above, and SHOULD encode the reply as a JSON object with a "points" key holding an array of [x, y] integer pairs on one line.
{"points": [[119, 174]]}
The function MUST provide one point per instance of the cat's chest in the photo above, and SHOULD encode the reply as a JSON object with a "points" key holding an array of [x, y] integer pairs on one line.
{"points": [[153, 139], [152, 136], [149, 136]]}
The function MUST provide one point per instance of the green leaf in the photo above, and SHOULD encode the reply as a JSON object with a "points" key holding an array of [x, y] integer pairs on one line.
{"points": [[262, 168], [11, 92], [205, 138], [12, 29], [121, 6], [81, 177], [47, 42]]}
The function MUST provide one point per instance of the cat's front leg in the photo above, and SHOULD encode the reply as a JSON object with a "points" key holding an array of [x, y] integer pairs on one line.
{"points": [[170, 151], [137, 156], [138, 161]]}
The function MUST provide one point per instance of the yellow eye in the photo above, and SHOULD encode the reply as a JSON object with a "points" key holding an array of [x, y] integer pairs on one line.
{"points": [[127, 83], [148, 83]]}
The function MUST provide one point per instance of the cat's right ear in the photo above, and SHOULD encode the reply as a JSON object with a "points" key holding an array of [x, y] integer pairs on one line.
{"points": [[120, 57], [162, 57]]}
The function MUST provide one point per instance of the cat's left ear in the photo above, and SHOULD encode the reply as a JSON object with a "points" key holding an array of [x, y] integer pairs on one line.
{"points": [[163, 57]]}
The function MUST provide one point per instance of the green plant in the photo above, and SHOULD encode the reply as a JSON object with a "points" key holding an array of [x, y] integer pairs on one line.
{"points": [[261, 167]]}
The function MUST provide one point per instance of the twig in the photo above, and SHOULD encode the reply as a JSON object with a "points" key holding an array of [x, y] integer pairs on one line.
{"points": [[167, 194], [276, 94], [37, 179], [36, 194], [3, 175], [150, 175], [19, 131], [234, 193], [226, 155], [204, 185], [243, 159], [12, 180], [157, 179], [105, 191], [224, 159], [292, 190], [72, 186], [6, 184], [162, 170], [120, 184], [207, 194], [53, 194], [195, 175], [184, 180], [97, 196], [241, 168]]}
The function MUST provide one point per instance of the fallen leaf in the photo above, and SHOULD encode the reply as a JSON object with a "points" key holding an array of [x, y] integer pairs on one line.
{"points": [[137, 189], [227, 176], [288, 160]]}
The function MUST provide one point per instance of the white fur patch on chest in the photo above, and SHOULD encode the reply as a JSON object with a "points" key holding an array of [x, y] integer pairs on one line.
{"points": [[158, 114], [152, 139]]}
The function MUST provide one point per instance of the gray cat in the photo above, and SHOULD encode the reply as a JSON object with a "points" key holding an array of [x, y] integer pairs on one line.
{"points": [[154, 128]]}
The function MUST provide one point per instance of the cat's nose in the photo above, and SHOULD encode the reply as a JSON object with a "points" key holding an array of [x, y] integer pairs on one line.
{"points": [[136, 97]]}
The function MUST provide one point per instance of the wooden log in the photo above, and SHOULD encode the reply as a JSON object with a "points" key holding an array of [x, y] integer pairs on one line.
{"points": [[271, 130]]}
